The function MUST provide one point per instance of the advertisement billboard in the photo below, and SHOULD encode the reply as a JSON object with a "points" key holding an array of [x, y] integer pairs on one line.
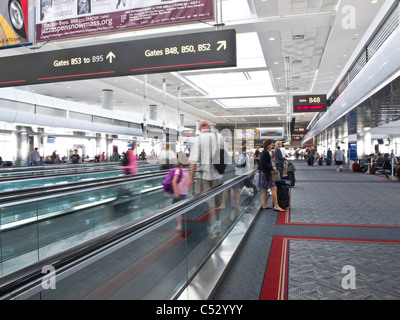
{"points": [[16, 19], [60, 19], [271, 133]]}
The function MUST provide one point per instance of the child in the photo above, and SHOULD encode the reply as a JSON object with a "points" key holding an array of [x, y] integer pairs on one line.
{"points": [[181, 189]]}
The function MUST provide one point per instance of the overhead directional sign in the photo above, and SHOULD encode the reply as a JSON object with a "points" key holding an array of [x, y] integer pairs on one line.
{"points": [[311, 103], [215, 49]]}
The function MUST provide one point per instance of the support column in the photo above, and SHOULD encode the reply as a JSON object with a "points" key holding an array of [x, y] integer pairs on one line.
{"points": [[164, 116], [109, 146], [367, 140], [153, 112], [40, 139], [22, 156], [145, 106], [108, 97], [98, 143]]}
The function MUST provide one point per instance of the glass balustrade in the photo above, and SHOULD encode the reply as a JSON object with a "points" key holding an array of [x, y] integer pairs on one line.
{"points": [[159, 264], [34, 229]]}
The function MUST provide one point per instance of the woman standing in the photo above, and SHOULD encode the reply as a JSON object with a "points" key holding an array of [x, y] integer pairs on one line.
{"points": [[265, 177]]}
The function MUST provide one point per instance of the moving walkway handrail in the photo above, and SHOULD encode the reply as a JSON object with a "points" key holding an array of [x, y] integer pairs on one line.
{"points": [[63, 166], [57, 167], [8, 198], [64, 171], [44, 175], [30, 278]]}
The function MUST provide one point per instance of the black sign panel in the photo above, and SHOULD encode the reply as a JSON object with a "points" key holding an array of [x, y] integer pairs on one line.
{"points": [[312, 103], [215, 49]]}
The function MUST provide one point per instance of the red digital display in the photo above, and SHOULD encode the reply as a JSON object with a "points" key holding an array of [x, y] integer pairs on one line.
{"points": [[310, 107]]}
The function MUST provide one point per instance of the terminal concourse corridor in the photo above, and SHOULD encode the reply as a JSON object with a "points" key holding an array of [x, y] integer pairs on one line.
{"points": [[338, 240]]}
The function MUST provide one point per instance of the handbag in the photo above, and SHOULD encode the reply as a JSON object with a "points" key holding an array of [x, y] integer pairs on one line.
{"points": [[276, 176]]}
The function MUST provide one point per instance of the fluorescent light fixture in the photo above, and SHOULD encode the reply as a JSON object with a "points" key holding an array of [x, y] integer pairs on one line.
{"points": [[249, 51], [236, 10], [249, 103], [256, 83]]}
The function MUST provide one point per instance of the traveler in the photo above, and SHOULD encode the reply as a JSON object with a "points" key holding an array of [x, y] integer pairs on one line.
{"points": [[75, 157], [35, 157], [142, 155], [2, 163], [131, 167], [54, 156], [257, 155], [312, 156], [339, 159], [103, 157], [180, 180], [265, 182], [242, 167], [329, 157], [201, 158], [279, 158], [206, 146]]}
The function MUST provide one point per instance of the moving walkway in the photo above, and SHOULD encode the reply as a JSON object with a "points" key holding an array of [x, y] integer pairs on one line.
{"points": [[143, 253], [41, 221]]}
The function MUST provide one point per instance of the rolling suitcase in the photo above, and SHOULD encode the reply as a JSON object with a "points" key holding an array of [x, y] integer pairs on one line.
{"points": [[291, 178], [283, 193], [291, 175], [356, 167]]}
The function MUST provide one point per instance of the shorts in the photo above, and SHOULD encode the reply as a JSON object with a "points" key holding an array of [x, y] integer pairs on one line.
{"points": [[338, 163], [205, 185]]}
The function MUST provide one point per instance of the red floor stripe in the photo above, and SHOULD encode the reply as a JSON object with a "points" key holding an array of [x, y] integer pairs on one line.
{"points": [[272, 286]]}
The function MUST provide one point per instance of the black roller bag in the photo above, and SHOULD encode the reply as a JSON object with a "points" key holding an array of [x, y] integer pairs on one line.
{"points": [[292, 178], [290, 172], [283, 193]]}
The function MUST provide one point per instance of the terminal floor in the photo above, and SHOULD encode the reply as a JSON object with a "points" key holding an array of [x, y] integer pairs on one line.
{"points": [[338, 240]]}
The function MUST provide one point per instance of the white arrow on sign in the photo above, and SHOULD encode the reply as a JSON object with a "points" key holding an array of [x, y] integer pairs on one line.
{"points": [[221, 43], [110, 56]]}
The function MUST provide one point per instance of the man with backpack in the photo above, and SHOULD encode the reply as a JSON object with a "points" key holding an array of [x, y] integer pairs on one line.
{"points": [[205, 157]]}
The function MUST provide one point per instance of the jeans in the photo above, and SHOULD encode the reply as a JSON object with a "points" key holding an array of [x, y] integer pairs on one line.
{"points": [[279, 166]]}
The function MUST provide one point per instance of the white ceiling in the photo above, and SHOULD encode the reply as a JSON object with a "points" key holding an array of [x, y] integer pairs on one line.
{"points": [[308, 34]]}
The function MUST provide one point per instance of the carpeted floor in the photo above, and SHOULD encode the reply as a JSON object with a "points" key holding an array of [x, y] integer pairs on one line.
{"points": [[338, 240]]}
